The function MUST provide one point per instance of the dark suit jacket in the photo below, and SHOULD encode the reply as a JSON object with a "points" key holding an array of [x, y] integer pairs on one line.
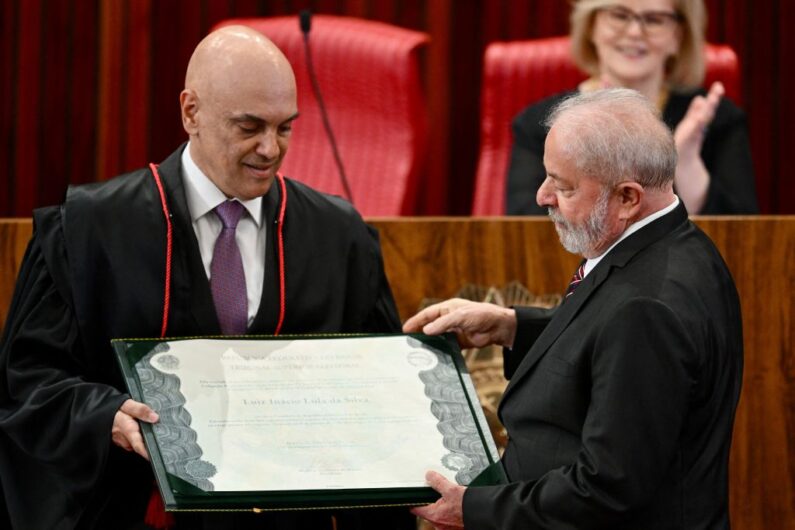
{"points": [[620, 414]]}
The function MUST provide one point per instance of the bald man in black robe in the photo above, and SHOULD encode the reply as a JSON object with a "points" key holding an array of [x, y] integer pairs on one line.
{"points": [[71, 453]]}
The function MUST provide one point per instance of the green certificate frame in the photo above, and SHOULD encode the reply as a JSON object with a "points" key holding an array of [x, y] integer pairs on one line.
{"points": [[262, 423]]}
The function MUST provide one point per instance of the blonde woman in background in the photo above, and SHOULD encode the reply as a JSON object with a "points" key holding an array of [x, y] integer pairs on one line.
{"points": [[657, 48]]}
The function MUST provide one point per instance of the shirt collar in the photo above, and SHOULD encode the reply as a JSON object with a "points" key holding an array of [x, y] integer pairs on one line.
{"points": [[203, 195], [631, 229]]}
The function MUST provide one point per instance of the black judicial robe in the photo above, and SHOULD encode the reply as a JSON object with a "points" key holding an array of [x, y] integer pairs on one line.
{"points": [[95, 270]]}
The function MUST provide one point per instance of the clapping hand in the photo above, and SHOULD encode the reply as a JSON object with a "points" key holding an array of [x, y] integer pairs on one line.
{"points": [[689, 134], [692, 178]]}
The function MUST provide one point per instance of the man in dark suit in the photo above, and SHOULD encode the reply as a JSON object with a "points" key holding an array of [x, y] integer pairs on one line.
{"points": [[621, 401], [136, 257]]}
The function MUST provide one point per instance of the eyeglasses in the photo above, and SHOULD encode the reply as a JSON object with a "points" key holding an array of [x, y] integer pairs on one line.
{"points": [[653, 23]]}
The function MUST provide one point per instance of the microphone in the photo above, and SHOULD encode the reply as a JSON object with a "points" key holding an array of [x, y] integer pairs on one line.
{"points": [[305, 17], [305, 21]]}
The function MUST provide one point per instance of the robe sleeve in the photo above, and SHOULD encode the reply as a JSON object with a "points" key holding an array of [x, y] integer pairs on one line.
{"points": [[383, 316], [727, 156], [55, 423]]}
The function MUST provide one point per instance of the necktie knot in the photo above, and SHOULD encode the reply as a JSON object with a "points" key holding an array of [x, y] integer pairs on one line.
{"points": [[229, 212]]}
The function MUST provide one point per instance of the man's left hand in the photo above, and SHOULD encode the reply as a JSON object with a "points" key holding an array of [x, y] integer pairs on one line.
{"points": [[447, 512]]}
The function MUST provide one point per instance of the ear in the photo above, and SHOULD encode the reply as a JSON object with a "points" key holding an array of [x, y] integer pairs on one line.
{"points": [[189, 103], [630, 197]]}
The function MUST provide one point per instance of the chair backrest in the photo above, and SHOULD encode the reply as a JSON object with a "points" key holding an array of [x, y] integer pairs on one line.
{"points": [[370, 82], [519, 73]]}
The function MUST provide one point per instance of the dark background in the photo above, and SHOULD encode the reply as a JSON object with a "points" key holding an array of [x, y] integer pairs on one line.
{"points": [[90, 87]]}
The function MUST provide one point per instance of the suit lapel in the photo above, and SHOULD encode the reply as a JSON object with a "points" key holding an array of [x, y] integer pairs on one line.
{"points": [[563, 317], [195, 287], [617, 257], [268, 313]]}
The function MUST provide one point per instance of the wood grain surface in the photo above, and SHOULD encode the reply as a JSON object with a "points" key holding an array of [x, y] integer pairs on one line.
{"points": [[435, 257], [14, 236]]}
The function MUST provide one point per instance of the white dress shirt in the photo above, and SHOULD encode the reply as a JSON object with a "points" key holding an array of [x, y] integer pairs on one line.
{"points": [[203, 196]]}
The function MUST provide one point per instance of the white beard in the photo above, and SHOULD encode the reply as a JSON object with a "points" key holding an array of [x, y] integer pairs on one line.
{"points": [[582, 238]]}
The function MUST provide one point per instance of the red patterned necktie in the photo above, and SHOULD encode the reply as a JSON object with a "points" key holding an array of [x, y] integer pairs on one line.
{"points": [[227, 279], [576, 278]]}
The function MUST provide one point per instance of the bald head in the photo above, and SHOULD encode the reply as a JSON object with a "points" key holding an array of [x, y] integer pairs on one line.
{"points": [[238, 106], [233, 57]]}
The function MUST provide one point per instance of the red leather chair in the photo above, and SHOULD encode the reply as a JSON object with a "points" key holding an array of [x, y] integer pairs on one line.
{"points": [[369, 78], [517, 74]]}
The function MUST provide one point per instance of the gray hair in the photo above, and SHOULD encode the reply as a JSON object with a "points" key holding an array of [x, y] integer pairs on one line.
{"points": [[615, 135]]}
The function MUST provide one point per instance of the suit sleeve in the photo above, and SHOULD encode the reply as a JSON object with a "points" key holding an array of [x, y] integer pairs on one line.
{"points": [[641, 380]]}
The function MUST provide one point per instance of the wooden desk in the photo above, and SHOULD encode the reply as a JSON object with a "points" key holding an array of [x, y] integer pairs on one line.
{"points": [[434, 257]]}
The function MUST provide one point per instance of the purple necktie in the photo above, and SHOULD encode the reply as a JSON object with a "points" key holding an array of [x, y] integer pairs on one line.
{"points": [[227, 279]]}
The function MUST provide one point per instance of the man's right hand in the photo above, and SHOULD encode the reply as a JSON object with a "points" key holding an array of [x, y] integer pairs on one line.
{"points": [[126, 433], [476, 324]]}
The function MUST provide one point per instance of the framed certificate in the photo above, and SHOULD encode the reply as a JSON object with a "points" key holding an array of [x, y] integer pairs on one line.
{"points": [[297, 422]]}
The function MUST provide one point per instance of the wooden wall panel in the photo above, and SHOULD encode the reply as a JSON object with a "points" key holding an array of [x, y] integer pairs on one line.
{"points": [[14, 236], [759, 254], [434, 257], [91, 88]]}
